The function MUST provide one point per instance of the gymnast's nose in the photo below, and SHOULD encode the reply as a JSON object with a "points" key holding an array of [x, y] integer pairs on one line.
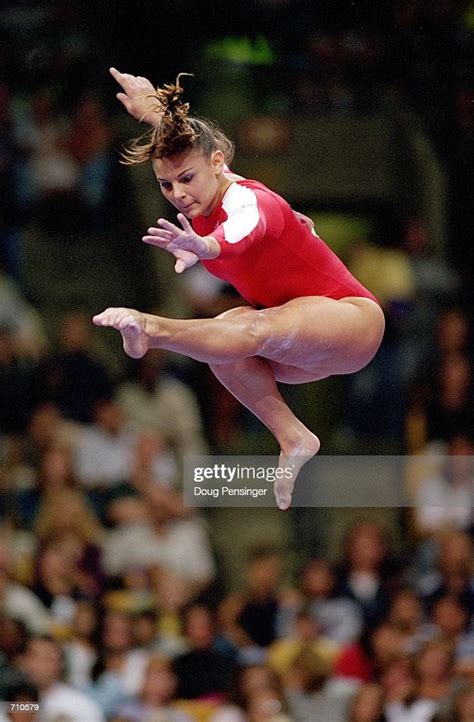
{"points": [[179, 192]]}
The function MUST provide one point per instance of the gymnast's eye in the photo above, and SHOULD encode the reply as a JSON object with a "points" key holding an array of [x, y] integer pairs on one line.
{"points": [[165, 185], [187, 178]]}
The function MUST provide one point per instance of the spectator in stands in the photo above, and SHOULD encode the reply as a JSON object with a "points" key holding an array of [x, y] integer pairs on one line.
{"points": [[103, 455], [368, 573], [406, 611], [155, 699], [453, 573], [19, 602], [16, 385], [367, 705], [55, 584], [339, 618], [157, 401], [22, 320], [66, 515], [119, 672], [72, 377], [257, 609], [306, 636], [310, 690], [449, 410], [202, 671], [80, 649], [42, 662], [369, 656], [13, 637], [47, 428], [463, 705], [451, 620], [433, 670], [156, 531], [444, 501]]}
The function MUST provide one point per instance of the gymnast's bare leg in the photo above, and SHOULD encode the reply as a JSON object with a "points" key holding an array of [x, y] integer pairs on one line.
{"points": [[303, 340]]}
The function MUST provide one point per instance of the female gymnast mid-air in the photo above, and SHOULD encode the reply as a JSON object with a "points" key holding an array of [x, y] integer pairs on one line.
{"points": [[308, 318]]}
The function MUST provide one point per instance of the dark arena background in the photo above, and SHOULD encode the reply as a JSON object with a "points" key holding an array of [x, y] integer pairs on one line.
{"points": [[119, 603]]}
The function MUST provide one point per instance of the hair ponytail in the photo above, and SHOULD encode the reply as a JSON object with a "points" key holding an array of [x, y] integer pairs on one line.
{"points": [[177, 131]]}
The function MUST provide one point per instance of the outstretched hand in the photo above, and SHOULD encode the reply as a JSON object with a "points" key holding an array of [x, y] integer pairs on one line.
{"points": [[134, 98], [184, 243]]}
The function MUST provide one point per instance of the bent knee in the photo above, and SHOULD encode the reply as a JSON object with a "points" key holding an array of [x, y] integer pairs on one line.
{"points": [[236, 312], [292, 375]]}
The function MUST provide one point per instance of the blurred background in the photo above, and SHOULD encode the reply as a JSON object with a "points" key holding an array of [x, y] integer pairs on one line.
{"points": [[116, 602]]}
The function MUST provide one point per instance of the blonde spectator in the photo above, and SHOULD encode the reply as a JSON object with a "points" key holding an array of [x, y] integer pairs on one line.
{"points": [[67, 511]]}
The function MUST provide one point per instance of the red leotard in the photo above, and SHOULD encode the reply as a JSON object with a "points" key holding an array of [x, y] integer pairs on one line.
{"points": [[268, 254]]}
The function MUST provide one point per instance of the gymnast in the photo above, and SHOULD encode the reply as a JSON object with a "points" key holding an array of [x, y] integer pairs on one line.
{"points": [[308, 318]]}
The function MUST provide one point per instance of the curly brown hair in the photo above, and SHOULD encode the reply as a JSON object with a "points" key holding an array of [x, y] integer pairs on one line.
{"points": [[177, 132]]}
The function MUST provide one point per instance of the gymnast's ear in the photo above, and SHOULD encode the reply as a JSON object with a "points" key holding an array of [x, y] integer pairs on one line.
{"points": [[217, 161]]}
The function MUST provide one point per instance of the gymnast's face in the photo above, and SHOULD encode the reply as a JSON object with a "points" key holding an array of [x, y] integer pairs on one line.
{"points": [[192, 181]]}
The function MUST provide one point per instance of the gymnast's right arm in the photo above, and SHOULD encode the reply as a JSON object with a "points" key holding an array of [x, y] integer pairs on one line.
{"points": [[134, 97]]}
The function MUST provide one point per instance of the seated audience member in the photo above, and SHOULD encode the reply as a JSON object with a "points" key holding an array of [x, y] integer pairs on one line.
{"points": [[120, 668], [65, 514], [257, 694], [48, 429], [398, 682], [339, 618], [367, 705], [451, 621], [55, 584], [13, 637], [72, 377], [433, 668], [367, 573], [24, 322], [463, 705], [366, 658], [453, 573], [104, 452], [266, 706], [155, 698], [80, 649], [443, 501], [156, 531], [256, 611], [17, 385], [406, 614], [156, 401], [306, 636], [42, 662], [19, 602], [203, 670], [449, 408], [311, 692]]}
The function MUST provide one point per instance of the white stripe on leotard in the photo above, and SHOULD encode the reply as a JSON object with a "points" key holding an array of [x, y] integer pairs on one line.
{"points": [[240, 204]]}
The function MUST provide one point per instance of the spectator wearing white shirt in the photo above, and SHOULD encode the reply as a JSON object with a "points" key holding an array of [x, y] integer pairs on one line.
{"points": [[157, 531], [158, 401], [19, 602], [42, 662]]}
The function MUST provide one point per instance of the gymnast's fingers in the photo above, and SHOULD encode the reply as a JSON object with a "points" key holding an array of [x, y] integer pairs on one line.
{"points": [[167, 225], [159, 232], [185, 223], [156, 241], [125, 100]]}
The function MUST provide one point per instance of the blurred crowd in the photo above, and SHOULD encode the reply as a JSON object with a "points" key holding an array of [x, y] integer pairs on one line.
{"points": [[117, 603]]}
